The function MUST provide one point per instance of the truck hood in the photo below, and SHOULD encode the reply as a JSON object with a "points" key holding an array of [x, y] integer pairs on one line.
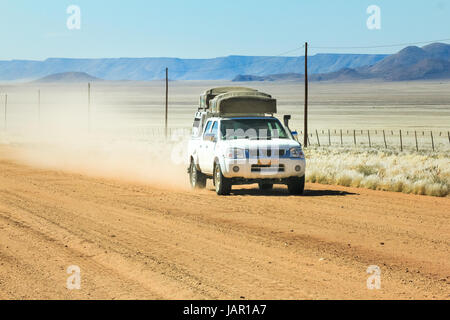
{"points": [[261, 144]]}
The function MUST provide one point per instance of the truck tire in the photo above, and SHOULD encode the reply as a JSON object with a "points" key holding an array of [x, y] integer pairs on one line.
{"points": [[265, 186], [296, 185], [196, 178], [222, 184]]}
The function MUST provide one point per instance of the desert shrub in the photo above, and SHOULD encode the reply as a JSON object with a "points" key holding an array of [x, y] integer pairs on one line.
{"points": [[344, 179], [366, 169], [370, 182], [408, 171]]}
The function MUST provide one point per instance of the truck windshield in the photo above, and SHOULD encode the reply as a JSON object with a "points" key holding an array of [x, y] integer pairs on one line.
{"points": [[255, 129]]}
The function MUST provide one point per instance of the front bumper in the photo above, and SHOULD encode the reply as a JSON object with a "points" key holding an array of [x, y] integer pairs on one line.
{"points": [[267, 168]]}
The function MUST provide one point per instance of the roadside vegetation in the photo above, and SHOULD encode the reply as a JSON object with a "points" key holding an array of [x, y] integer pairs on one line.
{"points": [[424, 173]]}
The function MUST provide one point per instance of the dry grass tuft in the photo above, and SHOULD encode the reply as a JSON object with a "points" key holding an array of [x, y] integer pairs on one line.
{"points": [[424, 173]]}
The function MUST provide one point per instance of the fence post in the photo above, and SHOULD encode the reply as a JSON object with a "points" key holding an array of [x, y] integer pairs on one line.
{"points": [[368, 134], [329, 138], [317, 135], [343, 143], [417, 144], [448, 134], [432, 140], [354, 136], [401, 141]]}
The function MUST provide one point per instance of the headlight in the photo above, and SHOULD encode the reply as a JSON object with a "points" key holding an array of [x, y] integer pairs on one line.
{"points": [[296, 153], [235, 153]]}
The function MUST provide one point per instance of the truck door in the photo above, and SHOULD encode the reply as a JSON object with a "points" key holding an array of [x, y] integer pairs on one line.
{"points": [[202, 148], [210, 148]]}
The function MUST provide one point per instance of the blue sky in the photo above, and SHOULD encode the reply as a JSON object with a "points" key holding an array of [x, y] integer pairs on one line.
{"points": [[37, 30]]}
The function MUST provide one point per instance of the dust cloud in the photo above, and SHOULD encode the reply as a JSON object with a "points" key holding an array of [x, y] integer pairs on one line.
{"points": [[106, 141]]}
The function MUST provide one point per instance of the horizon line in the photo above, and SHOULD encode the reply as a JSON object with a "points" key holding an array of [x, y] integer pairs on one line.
{"points": [[212, 58]]}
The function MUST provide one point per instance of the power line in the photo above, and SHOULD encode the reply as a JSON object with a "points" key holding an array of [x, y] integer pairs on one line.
{"points": [[290, 51], [382, 46], [259, 60]]}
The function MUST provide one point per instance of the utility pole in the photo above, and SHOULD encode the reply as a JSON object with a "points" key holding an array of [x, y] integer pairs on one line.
{"points": [[39, 107], [89, 106], [305, 137], [6, 109], [167, 101]]}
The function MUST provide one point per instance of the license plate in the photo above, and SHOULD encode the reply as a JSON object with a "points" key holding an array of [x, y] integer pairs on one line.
{"points": [[264, 162]]}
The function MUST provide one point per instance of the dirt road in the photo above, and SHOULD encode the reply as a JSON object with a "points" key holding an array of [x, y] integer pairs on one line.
{"points": [[137, 241]]}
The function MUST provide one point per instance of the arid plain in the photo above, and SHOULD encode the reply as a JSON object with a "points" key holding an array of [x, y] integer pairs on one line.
{"points": [[98, 187]]}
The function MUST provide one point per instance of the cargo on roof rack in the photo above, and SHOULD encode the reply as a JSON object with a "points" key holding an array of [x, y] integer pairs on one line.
{"points": [[243, 102], [210, 94], [237, 101]]}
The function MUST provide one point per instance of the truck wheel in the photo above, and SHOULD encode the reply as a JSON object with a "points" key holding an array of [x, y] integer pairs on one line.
{"points": [[223, 185], [196, 178], [296, 185], [265, 186]]}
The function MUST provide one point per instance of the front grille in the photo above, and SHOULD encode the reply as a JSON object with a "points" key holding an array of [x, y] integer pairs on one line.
{"points": [[256, 153], [267, 167]]}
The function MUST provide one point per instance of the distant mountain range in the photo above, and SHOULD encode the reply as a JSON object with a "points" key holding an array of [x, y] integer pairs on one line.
{"points": [[68, 77], [411, 63], [225, 68], [346, 74]]}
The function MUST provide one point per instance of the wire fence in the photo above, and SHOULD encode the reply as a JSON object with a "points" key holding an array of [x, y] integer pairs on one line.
{"points": [[388, 138], [416, 139], [409, 139]]}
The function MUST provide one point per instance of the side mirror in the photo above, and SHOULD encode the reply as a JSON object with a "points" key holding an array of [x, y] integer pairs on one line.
{"points": [[286, 119], [295, 135]]}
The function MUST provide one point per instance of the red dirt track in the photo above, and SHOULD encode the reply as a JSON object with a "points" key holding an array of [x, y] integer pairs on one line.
{"points": [[136, 241]]}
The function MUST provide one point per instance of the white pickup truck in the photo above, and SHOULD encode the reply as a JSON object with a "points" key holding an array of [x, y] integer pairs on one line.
{"points": [[237, 140]]}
